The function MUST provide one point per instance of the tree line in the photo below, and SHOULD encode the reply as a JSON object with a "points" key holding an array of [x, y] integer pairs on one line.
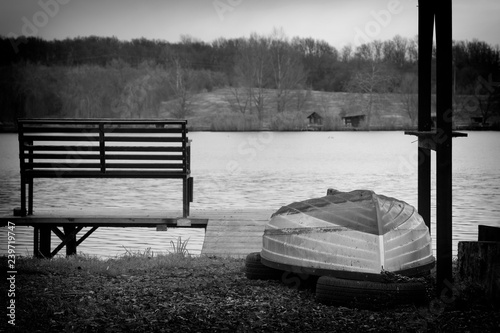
{"points": [[106, 77]]}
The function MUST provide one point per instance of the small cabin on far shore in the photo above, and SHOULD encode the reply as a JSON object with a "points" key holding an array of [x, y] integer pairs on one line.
{"points": [[315, 122], [353, 120], [315, 119]]}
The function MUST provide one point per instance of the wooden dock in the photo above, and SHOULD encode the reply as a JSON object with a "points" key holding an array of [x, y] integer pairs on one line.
{"points": [[228, 233], [234, 233]]}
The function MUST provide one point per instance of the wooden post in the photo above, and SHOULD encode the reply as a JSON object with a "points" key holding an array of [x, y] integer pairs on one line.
{"points": [[425, 33], [22, 168], [41, 242], [70, 245], [444, 117], [439, 139], [36, 240], [479, 263]]}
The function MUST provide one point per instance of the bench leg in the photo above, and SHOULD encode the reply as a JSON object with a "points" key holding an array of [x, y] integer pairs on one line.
{"points": [[23, 196], [30, 196], [190, 188], [185, 197]]}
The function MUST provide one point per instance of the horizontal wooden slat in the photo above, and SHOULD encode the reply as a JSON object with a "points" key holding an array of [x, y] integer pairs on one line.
{"points": [[144, 130], [177, 131], [63, 156], [144, 165], [60, 129], [79, 156], [95, 147], [145, 149], [94, 138], [61, 138], [142, 139], [61, 148], [63, 173], [78, 121], [59, 165], [84, 165], [144, 157]]}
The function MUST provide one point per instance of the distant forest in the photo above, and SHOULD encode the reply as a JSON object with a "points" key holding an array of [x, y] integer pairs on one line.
{"points": [[106, 77]]}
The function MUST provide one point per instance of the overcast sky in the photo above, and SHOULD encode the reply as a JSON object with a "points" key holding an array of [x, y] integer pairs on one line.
{"points": [[338, 22]]}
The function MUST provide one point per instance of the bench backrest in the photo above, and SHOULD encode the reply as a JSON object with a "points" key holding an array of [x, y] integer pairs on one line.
{"points": [[103, 148]]}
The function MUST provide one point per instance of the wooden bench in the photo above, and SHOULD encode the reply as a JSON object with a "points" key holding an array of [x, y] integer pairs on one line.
{"points": [[100, 148]]}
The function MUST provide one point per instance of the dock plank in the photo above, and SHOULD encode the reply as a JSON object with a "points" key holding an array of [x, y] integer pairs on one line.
{"points": [[236, 234]]}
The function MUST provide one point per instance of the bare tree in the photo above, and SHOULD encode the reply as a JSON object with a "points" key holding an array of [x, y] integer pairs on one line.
{"points": [[240, 99], [487, 95], [408, 96], [346, 53], [287, 69], [413, 50], [252, 70], [371, 79], [302, 97], [180, 81], [400, 48]]}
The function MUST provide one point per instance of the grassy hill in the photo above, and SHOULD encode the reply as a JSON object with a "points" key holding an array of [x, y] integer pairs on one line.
{"points": [[216, 110]]}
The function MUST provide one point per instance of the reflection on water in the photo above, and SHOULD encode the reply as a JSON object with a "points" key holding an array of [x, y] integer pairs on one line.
{"points": [[268, 170]]}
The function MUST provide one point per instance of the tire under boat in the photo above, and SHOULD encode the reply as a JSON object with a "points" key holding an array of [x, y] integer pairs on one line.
{"points": [[353, 235]]}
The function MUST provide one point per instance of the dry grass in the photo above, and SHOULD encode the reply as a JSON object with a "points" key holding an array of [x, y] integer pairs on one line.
{"points": [[143, 292]]}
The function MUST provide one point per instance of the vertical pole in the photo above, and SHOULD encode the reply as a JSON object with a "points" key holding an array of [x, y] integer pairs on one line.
{"points": [[425, 35], [444, 78]]}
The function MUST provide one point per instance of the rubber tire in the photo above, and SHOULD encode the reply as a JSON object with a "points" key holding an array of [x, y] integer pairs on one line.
{"points": [[368, 294], [256, 270]]}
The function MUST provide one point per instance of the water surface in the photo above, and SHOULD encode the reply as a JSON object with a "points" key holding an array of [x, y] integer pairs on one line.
{"points": [[239, 170]]}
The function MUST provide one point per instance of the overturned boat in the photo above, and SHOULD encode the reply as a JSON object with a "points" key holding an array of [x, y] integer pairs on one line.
{"points": [[353, 235]]}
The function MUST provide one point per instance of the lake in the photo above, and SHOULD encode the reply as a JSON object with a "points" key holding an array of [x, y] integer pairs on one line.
{"points": [[267, 170]]}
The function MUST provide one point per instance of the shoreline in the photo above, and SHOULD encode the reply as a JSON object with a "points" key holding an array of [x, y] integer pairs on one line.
{"points": [[13, 130]]}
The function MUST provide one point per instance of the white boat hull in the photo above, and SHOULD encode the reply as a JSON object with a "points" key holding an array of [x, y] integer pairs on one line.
{"points": [[348, 232]]}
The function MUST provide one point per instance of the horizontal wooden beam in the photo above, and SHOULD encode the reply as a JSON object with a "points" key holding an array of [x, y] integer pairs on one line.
{"points": [[432, 139], [77, 121]]}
